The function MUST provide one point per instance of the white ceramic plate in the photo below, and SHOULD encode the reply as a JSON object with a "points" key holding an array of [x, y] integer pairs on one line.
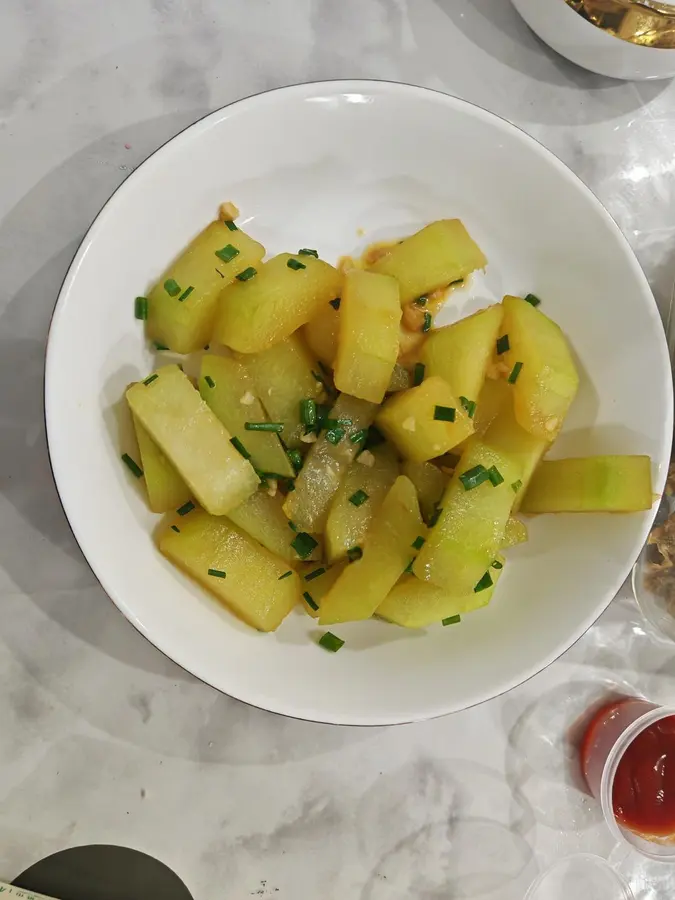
{"points": [[308, 166]]}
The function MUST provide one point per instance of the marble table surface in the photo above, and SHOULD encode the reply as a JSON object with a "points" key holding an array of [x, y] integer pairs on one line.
{"points": [[102, 739]]}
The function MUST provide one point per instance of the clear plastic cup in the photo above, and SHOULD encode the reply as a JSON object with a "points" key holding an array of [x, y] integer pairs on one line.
{"points": [[580, 876], [605, 745]]}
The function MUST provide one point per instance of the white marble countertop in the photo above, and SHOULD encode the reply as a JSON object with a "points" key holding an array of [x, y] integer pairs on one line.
{"points": [[105, 740]]}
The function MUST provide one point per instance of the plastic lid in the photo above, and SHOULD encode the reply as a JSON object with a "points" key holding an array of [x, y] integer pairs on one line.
{"points": [[582, 875]]}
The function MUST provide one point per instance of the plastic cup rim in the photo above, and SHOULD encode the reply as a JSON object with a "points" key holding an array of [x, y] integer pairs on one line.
{"points": [[590, 858]]}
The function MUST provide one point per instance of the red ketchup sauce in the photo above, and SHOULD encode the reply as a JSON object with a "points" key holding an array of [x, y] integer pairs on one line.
{"points": [[644, 786]]}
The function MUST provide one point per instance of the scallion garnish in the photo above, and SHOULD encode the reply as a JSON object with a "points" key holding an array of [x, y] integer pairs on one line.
{"points": [[495, 476], [151, 378], [308, 412], [295, 459], [273, 427], [503, 344], [354, 553], [304, 544], [421, 301], [337, 423], [309, 600], [418, 374], [160, 347], [175, 528], [469, 406], [227, 253], [359, 436], [330, 641], [186, 293], [451, 620], [230, 224], [532, 299], [217, 573], [185, 508], [315, 574], [335, 303], [483, 584], [435, 516], [335, 435], [427, 321], [285, 575], [409, 568], [444, 413], [515, 372], [358, 498], [247, 274], [132, 465], [305, 251], [497, 564], [295, 264], [239, 447], [474, 477], [516, 486], [141, 307], [172, 287], [418, 543], [292, 526], [211, 383]]}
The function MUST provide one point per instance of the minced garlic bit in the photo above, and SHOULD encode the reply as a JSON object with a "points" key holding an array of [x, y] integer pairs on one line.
{"points": [[247, 399], [409, 424], [551, 424], [366, 458], [272, 486], [228, 212], [308, 438]]}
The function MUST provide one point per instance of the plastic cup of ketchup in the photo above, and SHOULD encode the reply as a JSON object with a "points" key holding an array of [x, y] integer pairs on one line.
{"points": [[627, 756]]}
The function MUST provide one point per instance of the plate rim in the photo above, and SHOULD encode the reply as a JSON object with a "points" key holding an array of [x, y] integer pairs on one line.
{"points": [[342, 86]]}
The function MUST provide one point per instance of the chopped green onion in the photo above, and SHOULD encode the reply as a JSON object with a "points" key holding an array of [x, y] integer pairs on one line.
{"points": [[237, 444], [516, 486], [295, 264], [308, 412], [304, 544], [444, 413], [307, 252], [483, 584], [274, 427], [186, 293], [418, 374], [503, 344], [421, 301], [227, 253], [230, 224], [247, 274], [172, 287], [330, 641], [469, 406], [132, 465], [409, 568], [292, 526], [451, 620], [497, 564], [354, 553], [418, 543], [217, 573], [315, 574], [436, 516], [151, 378], [295, 459], [185, 508], [427, 321], [141, 307], [285, 575], [309, 600], [533, 300], [495, 476], [358, 498], [359, 436], [211, 383], [474, 477], [337, 423], [515, 372], [175, 528], [160, 347], [335, 435], [335, 303]]}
